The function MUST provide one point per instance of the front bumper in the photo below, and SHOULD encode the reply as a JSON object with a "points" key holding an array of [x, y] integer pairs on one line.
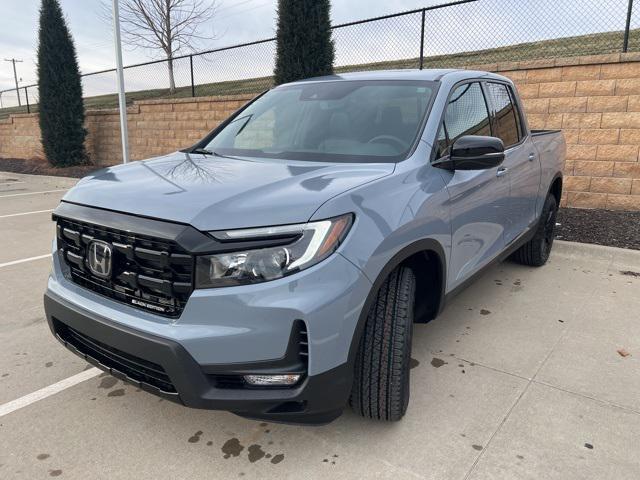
{"points": [[142, 359]]}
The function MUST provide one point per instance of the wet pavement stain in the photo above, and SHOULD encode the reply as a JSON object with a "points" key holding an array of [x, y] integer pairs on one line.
{"points": [[195, 438], [55, 473], [48, 364], [277, 459], [108, 382], [209, 443], [477, 447], [485, 312], [43, 456], [413, 363], [232, 448], [630, 273], [437, 362], [116, 393], [519, 457], [5, 375], [255, 453]]}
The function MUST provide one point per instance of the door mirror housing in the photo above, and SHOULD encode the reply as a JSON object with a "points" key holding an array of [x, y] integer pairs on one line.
{"points": [[473, 152]]}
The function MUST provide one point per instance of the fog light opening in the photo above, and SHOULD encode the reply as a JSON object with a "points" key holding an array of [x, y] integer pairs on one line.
{"points": [[283, 380]]}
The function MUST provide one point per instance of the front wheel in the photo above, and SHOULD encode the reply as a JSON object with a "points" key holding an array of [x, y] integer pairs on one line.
{"points": [[537, 250], [381, 378]]}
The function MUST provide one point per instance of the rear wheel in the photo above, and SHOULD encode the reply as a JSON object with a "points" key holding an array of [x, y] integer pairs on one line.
{"points": [[536, 251], [381, 379]]}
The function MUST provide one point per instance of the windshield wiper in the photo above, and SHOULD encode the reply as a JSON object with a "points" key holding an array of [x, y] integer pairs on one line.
{"points": [[202, 151]]}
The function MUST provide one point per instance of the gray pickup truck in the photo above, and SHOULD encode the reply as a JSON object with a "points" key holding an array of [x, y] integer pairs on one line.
{"points": [[276, 268]]}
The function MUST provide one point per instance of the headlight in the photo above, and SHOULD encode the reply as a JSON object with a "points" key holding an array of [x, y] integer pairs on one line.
{"points": [[311, 243]]}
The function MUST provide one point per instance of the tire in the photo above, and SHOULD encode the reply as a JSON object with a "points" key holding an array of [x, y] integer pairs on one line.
{"points": [[536, 251], [381, 378]]}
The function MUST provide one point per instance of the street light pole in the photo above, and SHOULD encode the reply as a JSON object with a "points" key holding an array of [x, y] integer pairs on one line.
{"points": [[120, 76], [15, 76]]}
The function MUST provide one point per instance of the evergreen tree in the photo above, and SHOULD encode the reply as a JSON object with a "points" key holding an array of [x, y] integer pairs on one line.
{"points": [[61, 108], [304, 45]]}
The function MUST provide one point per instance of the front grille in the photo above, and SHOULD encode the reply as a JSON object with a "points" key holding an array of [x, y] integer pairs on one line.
{"points": [[134, 368], [147, 273]]}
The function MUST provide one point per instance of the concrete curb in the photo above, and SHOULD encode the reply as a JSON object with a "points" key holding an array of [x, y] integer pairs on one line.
{"points": [[619, 256]]}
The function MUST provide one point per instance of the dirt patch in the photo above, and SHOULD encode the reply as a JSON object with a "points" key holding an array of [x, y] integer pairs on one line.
{"points": [[601, 227], [40, 167]]}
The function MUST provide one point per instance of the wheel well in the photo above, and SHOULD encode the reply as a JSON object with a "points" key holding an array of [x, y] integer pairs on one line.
{"points": [[428, 271], [556, 189]]}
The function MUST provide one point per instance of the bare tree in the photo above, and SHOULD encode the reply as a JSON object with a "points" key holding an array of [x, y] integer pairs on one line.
{"points": [[167, 25]]}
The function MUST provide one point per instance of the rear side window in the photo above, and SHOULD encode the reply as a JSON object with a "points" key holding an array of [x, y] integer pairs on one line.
{"points": [[466, 114], [506, 116]]}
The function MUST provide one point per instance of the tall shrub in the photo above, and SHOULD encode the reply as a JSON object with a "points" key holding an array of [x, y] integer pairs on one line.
{"points": [[60, 88], [304, 45]]}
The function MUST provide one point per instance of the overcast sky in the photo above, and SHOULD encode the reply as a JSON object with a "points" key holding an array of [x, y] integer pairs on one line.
{"points": [[236, 21], [484, 24]]}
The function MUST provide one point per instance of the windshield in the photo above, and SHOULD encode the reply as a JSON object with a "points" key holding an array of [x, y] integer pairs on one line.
{"points": [[341, 121]]}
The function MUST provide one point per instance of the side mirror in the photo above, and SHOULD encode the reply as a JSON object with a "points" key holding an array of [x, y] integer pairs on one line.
{"points": [[473, 152]]}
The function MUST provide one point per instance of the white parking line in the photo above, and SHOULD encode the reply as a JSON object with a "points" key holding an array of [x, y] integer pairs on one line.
{"points": [[45, 392], [25, 213], [32, 193], [30, 259]]}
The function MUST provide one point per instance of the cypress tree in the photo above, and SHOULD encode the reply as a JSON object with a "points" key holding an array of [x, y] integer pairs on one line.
{"points": [[304, 45], [61, 108]]}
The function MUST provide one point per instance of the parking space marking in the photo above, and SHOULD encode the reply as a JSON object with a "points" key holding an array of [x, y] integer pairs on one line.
{"points": [[30, 259], [45, 392], [25, 213], [32, 193]]}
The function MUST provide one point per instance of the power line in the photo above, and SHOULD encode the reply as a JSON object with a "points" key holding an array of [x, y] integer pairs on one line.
{"points": [[15, 76]]}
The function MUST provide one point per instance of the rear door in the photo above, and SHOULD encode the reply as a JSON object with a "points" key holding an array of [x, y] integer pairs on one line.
{"points": [[477, 198], [522, 163]]}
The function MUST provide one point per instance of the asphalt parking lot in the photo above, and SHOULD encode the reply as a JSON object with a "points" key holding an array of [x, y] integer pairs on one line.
{"points": [[528, 374]]}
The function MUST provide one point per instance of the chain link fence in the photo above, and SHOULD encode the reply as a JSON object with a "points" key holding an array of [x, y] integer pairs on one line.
{"points": [[458, 34]]}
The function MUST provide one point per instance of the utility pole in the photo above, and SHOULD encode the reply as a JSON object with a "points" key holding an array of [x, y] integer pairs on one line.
{"points": [[120, 78], [15, 76]]}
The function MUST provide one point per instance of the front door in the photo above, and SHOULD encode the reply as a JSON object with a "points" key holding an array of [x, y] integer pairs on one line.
{"points": [[477, 198]]}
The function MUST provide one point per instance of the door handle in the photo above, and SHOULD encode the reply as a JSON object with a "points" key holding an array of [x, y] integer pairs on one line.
{"points": [[502, 171], [532, 157]]}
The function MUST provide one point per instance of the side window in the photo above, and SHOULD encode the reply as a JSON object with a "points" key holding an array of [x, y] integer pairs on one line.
{"points": [[505, 113], [466, 114]]}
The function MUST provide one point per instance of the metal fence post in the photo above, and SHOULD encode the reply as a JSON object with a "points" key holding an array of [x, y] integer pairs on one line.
{"points": [[193, 85], [625, 46], [26, 96], [424, 11]]}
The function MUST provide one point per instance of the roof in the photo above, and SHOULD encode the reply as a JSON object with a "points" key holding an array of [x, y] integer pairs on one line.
{"points": [[426, 75]]}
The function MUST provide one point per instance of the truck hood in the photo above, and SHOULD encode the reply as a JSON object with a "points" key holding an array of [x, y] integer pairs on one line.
{"points": [[214, 193]]}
